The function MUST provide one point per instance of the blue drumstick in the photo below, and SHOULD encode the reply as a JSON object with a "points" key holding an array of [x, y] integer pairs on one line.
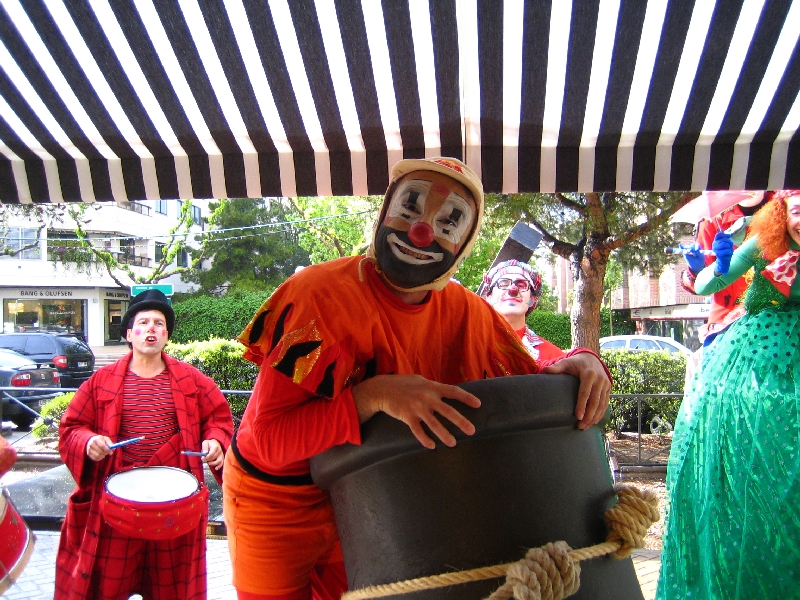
{"points": [[687, 250], [191, 453], [125, 442]]}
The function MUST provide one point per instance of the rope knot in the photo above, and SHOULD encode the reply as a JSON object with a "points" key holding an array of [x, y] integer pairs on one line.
{"points": [[545, 573], [629, 520]]}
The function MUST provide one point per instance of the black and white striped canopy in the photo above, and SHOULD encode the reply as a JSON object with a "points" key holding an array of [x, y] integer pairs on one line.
{"points": [[147, 99]]}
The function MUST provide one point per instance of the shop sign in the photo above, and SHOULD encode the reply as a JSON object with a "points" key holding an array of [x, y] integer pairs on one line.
{"points": [[684, 311], [123, 295], [45, 293], [164, 288]]}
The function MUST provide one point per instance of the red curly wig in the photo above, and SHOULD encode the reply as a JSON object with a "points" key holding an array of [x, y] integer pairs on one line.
{"points": [[769, 223]]}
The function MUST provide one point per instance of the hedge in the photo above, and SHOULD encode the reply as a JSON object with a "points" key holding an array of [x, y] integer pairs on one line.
{"points": [[54, 409], [222, 361], [644, 373], [208, 317]]}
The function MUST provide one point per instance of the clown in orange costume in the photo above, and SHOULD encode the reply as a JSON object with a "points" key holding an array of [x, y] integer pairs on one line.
{"points": [[341, 341]]}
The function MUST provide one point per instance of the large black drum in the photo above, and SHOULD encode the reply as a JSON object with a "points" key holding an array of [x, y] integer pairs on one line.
{"points": [[527, 477]]}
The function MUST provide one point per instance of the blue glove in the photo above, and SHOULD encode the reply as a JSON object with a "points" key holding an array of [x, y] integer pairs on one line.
{"points": [[695, 258], [723, 248]]}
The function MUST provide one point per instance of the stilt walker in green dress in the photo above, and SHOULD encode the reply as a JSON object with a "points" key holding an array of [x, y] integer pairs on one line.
{"points": [[733, 480]]}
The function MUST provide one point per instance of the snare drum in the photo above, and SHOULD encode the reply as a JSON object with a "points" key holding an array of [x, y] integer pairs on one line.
{"points": [[154, 503], [16, 542]]}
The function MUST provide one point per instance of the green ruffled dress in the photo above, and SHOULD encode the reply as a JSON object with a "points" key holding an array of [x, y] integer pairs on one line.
{"points": [[733, 478]]}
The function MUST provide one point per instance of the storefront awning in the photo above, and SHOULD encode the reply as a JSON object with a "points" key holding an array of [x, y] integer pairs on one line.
{"points": [[148, 99]]}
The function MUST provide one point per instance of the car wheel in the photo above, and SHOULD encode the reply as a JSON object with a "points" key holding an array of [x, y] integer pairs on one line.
{"points": [[23, 421]]}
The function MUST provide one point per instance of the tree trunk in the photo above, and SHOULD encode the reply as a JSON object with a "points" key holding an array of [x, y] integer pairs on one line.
{"points": [[585, 315]]}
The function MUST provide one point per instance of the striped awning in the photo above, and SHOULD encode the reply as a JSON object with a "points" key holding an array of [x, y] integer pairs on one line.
{"points": [[148, 99]]}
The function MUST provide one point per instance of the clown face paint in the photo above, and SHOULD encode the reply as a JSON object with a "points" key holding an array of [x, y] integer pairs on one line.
{"points": [[148, 333], [428, 218]]}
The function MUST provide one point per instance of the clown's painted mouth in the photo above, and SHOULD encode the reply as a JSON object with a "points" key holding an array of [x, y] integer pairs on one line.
{"points": [[410, 255]]}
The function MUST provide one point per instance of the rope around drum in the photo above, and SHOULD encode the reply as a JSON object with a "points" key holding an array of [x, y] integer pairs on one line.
{"points": [[552, 571]]}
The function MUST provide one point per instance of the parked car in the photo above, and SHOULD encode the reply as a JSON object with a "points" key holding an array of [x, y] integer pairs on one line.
{"points": [[643, 342], [27, 377], [70, 355]]}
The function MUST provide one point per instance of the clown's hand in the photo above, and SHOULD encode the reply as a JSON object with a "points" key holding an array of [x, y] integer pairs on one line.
{"points": [[415, 400], [594, 389], [97, 448], [695, 258]]}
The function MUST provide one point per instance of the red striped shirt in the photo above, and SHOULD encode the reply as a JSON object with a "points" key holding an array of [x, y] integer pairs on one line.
{"points": [[147, 410]]}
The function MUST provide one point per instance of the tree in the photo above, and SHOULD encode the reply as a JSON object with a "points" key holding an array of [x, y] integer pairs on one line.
{"points": [[585, 229], [336, 226], [253, 245], [43, 215], [83, 255]]}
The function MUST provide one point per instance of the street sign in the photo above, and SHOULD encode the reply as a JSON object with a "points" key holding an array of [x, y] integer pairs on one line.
{"points": [[164, 288]]}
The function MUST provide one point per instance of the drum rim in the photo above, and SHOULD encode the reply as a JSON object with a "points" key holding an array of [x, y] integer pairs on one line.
{"points": [[193, 493], [13, 572]]}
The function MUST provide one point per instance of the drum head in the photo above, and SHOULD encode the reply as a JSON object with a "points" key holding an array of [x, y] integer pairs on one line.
{"points": [[152, 484]]}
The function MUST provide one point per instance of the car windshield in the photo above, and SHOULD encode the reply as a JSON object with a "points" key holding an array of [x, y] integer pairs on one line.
{"points": [[670, 348], [13, 342], [7, 359], [74, 345], [613, 344]]}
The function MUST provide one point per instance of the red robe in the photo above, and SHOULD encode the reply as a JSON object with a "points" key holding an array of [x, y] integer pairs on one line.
{"points": [[202, 412]]}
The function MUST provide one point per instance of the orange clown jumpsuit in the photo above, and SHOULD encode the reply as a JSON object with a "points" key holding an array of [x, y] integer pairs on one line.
{"points": [[327, 328]]}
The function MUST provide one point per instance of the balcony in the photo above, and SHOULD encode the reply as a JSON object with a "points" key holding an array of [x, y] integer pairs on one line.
{"points": [[142, 209], [59, 253]]}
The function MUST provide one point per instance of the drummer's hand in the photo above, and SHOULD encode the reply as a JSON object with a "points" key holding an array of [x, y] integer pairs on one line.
{"points": [[215, 456], [97, 447], [594, 389], [415, 400]]}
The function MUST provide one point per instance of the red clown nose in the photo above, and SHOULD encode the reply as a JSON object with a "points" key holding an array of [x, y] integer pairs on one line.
{"points": [[421, 234]]}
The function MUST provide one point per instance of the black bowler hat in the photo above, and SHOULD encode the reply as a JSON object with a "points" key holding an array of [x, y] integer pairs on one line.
{"points": [[148, 300]]}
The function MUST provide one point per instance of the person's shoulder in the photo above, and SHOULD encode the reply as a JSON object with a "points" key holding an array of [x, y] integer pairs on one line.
{"points": [[455, 293]]}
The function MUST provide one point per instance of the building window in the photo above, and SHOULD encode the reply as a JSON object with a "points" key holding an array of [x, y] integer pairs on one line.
{"points": [[183, 258], [160, 249], [20, 242], [196, 216], [161, 207], [127, 248]]}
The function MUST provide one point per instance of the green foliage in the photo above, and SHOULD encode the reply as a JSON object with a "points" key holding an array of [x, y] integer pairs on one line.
{"points": [[256, 249], [207, 317], [554, 327], [644, 373], [222, 361], [54, 409], [336, 226]]}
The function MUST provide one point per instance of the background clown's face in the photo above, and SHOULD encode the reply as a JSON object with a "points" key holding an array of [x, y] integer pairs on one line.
{"points": [[427, 221], [511, 302]]}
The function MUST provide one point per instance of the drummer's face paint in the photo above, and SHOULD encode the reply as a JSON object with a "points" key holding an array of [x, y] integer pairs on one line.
{"points": [[148, 332], [511, 302], [428, 218], [793, 218]]}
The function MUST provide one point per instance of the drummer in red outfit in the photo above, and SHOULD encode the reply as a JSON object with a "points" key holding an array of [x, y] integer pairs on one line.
{"points": [[341, 341], [513, 288], [176, 408]]}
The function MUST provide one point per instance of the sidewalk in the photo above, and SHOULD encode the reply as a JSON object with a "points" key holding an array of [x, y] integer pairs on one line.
{"points": [[37, 580]]}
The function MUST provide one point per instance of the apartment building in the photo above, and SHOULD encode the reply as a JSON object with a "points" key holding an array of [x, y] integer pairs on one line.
{"points": [[658, 305], [41, 291]]}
